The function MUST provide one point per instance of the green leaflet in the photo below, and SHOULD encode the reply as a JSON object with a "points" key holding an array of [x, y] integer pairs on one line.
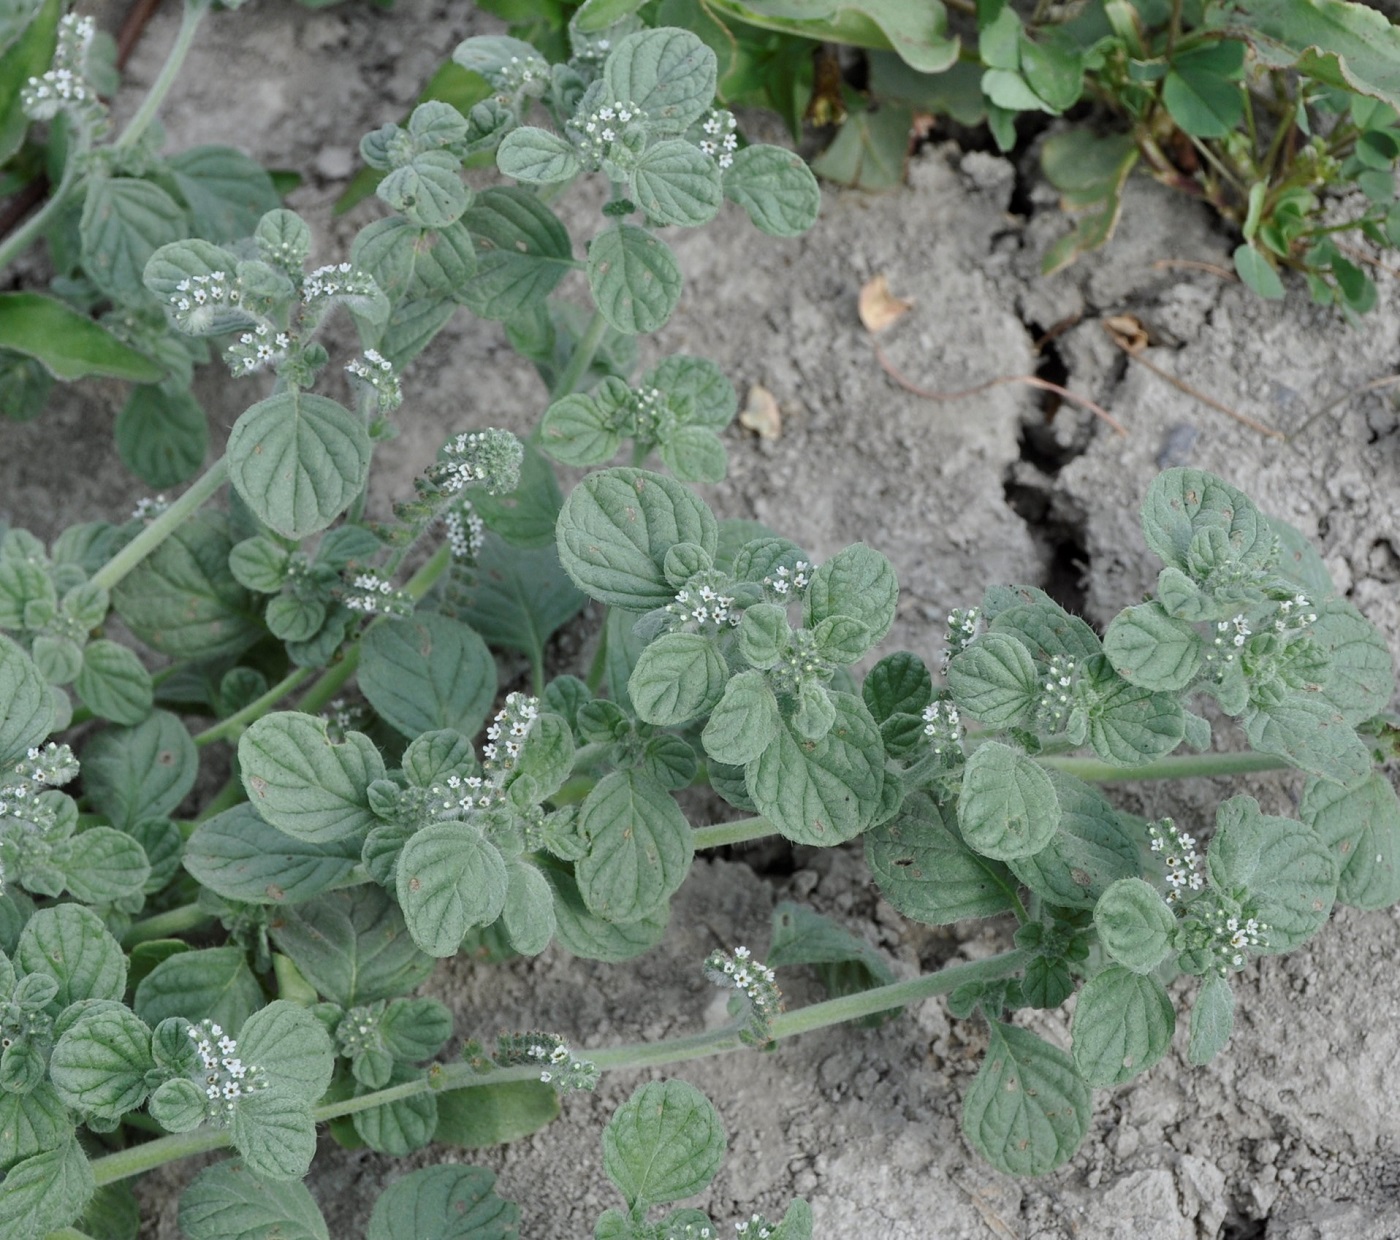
{"points": [[292, 1047], [427, 672], [1136, 927], [1008, 806], [615, 529], [528, 916], [1278, 866], [275, 1134], [1123, 1024], [449, 880], [821, 792], [639, 847], [102, 865], [1149, 648], [213, 982], [26, 709], [226, 192], [591, 937], [1093, 847], [675, 182], [183, 601], [517, 597], [925, 870], [776, 188], [1028, 1109], [669, 74], [227, 1202], [1313, 735], [162, 436], [428, 190], [1184, 502], [31, 1123], [995, 681], [744, 722], [298, 460], [303, 783], [443, 1203], [398, 1128], [1361, 828], [70, 944], [537, 156], [664, 1143], [1129, 725], [45, 1191], [1203, 92], [68, 345], [240, 857], [634, 278], [99, 1064], [124, 222], [678, 677], [494, 1114], [899, 684], [858, 582], [1360, 676], [353, 946], [522, 252], [141, 772], [113, 683], [415, 264], [1212, 1019]]}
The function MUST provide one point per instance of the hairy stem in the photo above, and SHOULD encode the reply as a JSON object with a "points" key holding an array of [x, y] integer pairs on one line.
{"points": [[582, 357], [1180, 766], [807, 1019], [203, 490], [230, 728], [32, 228], [169, 71], [167, 925]]}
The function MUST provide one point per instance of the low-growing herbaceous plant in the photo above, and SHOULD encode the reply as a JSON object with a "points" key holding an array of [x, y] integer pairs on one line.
{"points": [[239, 974]]}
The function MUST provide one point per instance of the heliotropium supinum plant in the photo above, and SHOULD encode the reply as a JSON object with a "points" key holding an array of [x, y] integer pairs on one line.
{"points": [[180, 975]]}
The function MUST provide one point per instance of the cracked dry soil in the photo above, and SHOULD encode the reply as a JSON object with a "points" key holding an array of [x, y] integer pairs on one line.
{"points": [[1291, 1133]]}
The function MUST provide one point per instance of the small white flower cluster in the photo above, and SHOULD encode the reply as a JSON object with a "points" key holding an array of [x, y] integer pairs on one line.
{"points": [[721, 139], [376, 372], [226, 1078], [602, 127], [786, 583], [651, 413], [196, 299], [702, 605], [148, 509], [961, 629], [255, 350], [943, 726], [755, 1226], [755, 981], [336, 280], [358, 1030], [1230, 635], [1182, 860], [49, 767], [1056, 692], [563, 1071], [490, 459], [529, 73], [1294, 615], [800, 661], [466, 532], [64, 88], [507, 734], [343, 716], [459, 794], [1234, 935], [376, 596]]}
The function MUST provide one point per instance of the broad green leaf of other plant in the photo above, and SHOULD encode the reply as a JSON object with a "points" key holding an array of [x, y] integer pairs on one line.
{"points": [[67, 344]]}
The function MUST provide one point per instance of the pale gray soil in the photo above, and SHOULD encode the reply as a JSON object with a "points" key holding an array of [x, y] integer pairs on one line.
{"points": [[1292, 1133]]}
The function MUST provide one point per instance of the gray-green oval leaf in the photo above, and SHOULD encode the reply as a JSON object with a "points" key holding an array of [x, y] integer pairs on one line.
{"points": [[634, 278], [639, 847], [298, 460], [664, 1143], [426, 673], [1135, 924], [1008, 806], [679, 677], [1123, 1024], [449, 880]]}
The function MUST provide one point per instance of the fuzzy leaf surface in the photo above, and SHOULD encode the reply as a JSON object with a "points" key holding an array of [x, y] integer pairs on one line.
{"points": [[1361, 828], [1135, 924], [1122, 1025], [428, 672], [1153, 650], [228, 1202], [639, 847], [826, 791], [634, 278], [70, 944], [679, 677], [664, 1143], [141, 772], [1008, 806], [994, 681], [449, 879], [1212, 1019], [776, 188], [303, 783], [444, 1203], [1028, 1109]]}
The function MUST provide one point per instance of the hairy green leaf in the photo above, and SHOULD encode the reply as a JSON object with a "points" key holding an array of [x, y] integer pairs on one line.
{"points": [[639, 847], [776, 188], [634, 278], [100, 1063], [675, 182], [994, 680], [1008, 806], [1028, 1109], [113, 683], [298, 460], [744, 722], [1212, 1019], [67, 344], [228, 1202], [140, 772], [522, 250], [213, 982], [679, 677], [663, 1143], [427, 672], [443, 1203], [1153, 650], [1123, 1024], [494, 1114], [1361, 828], [669, 74], [924, 869], [449, 879], [1135, 924], [124, 222], [26, 708]]}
